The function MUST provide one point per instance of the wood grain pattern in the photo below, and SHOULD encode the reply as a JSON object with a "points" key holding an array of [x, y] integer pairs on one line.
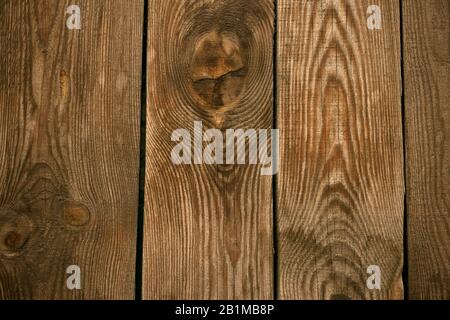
{"points": [[69, 144], [340, 187], [426, 26], [208, 228]]}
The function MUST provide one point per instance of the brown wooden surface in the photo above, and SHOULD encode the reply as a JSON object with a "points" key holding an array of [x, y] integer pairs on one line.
{"points": [[340, 187], [208, 228], [69, 149], [69, 144], [426, 26]]}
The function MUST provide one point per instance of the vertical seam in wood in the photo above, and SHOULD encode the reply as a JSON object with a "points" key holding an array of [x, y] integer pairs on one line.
{"points": [[405, 176], [274, 177], [142, 156]]}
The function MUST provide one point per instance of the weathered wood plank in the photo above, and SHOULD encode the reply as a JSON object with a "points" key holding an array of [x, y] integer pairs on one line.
{"points": [[426, 26], [69, 148], [208, 228], [340, 186]]}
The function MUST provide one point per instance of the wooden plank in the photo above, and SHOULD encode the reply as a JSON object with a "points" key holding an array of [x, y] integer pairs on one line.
{"points": [[208, 228], [340, 186], [69, 148], [426, 26]]}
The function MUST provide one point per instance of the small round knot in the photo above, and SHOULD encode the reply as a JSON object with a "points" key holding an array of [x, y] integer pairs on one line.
{"points": [[15, 231], [14, 240], [75, 214]]}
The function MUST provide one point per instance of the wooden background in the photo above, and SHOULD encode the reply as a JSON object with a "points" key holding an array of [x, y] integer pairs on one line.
{"points": [[85, 141]]}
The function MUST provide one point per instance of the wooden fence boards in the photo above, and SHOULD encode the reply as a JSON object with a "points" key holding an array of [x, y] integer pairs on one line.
{"points": [[426, 26], [70, 121], [208, 228], [69, 148], [340, 186]]}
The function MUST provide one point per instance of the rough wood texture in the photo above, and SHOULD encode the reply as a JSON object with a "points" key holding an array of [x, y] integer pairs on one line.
{"points": [[340, 187], [426, 26], [208, 228], [69, 131]]}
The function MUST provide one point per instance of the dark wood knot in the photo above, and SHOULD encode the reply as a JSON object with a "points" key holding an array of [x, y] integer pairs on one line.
{"points": [[15, 231], [218, 69], [14, 240]]}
